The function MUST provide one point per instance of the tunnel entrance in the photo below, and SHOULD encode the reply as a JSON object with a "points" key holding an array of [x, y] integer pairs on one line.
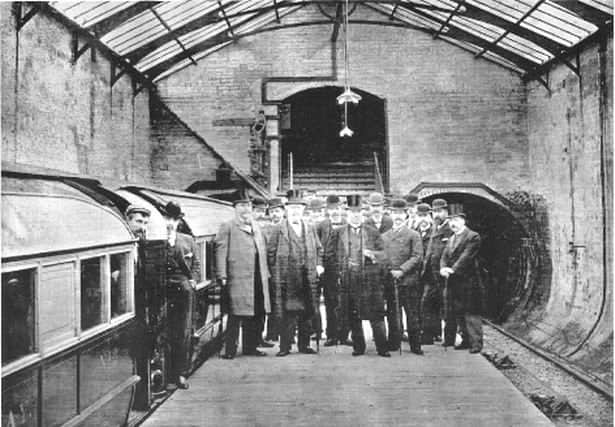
{"points": [[322, 160], [504, 256]]}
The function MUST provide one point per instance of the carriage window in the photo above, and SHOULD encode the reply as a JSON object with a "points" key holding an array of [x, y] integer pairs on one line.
{"points": [[207, 264], [17, 314], [92, 293], [120, 272]]}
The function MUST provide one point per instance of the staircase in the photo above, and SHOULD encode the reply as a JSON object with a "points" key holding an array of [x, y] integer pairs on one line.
{"points": [[339, 178]]}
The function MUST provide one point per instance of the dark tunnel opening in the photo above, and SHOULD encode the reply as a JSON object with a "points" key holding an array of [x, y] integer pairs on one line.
{"points": [[503, 255]]}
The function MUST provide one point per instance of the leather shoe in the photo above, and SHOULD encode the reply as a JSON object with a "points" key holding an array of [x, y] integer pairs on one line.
{"points": [[183, 384], [330, 342], [227, 356], [255, 353], [357, 353], [462, 346], [384, 354], [307, 350], [475, 350], [437, 338], [282, 353], [417, 351], [265, 344]]}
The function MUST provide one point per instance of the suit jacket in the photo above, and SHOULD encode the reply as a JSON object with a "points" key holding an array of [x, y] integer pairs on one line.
{"points": [[236, 247], [404, 251], [385, 225], [437, 242], [461, 254], [184, 257]]}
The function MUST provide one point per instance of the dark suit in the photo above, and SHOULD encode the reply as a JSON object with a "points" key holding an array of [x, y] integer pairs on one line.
{"points": [[182, 265], [433, 283], [404, 251], [386, 223], [464, 294]]}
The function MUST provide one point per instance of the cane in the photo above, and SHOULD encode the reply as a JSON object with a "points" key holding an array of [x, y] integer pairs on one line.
{"points": [[400, 322], [446, 316]]}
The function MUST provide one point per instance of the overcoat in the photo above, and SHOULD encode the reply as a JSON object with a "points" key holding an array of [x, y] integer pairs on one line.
{"points": [[404, 251], [290, 294], [437, 242], [364, 297], [464, 284], [236, 246]]}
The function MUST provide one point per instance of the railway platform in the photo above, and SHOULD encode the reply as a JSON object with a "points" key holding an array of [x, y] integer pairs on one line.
{"points": [[441, 388]]}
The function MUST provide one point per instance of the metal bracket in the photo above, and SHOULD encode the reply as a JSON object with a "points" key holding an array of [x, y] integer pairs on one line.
{"points": [[23, 20], [115, 76], [572, 248], [544, 82], [75, 49], [136, 87], [575, 68]]}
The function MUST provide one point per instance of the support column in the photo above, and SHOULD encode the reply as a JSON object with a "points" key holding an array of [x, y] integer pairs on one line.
{"points": [[273, 140]]}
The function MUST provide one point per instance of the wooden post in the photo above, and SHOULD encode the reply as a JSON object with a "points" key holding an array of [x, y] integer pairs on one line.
{"points": [[290, 171]]}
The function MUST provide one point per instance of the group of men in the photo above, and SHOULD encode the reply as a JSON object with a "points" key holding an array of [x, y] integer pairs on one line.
{"points": [[373, 261]]}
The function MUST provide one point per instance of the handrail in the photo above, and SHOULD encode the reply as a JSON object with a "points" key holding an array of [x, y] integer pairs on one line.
{"points": [[379, 182]]}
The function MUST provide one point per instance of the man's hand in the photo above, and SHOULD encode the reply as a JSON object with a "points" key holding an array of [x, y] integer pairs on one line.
{"points": [[192, 283], [446, 271], [369, 254], [397, 274], [223, 282], [319, 270]]}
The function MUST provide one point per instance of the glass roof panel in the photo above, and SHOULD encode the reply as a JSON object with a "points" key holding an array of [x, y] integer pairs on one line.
{"points": [[605, 6], [186, 62]]}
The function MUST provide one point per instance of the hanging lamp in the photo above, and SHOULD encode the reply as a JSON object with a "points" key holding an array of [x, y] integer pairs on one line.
{"points": [[348, 95]]}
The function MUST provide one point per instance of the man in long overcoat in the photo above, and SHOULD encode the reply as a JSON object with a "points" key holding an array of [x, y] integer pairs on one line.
{"points": [[463, 288], [359, 258], [433, 281], [295, 261], [241, 268], [404, 251]]}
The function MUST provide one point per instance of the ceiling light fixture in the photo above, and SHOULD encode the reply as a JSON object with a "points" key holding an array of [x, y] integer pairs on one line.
{"points": [[348, 95]]}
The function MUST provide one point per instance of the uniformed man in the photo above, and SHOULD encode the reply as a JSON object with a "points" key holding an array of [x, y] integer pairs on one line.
{"points": [[325, 231], [183, 269], [464, 293], [241, 268], [440, 234], [404, 251], [295, 260], [359, 258], [137, 218]]}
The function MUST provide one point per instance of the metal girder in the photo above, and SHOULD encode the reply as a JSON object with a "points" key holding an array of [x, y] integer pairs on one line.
{"points": [[505, 33], [228, 22], [338, 21], [585, 11], [463, 35], [115, 76], [77, 51], [103, 27], [35, 7], [277, 12], [177, 40], [443, 26]]}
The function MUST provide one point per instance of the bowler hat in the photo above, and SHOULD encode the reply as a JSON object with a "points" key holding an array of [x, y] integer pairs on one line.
{"points": [[457, 215], [376, 199], [422, 209], [294, 197], [411, 198], [333, 200], [259, 202], [276, 203], [399, 204], [315, 204], [172, 210], [439, 204], [137, 209], [354, 201]]}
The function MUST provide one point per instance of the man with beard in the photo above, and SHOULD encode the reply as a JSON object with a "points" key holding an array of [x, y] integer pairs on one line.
{"points": [[431, 299], [440, 235], [259, 212], [325, 231], [359, 256], [404, 251], [241, 268], [276, 214], [464, 291], [183, 268], [294, 255]]}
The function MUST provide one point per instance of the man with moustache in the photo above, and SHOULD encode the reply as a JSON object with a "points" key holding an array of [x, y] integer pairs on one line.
{"points": [[464, 291], [276, 214], [358, 251], [377, 219], [404, 252], [241, 268], [183, 268], [440, 235], [411, 201], [325, 231], [294, 256], [316, 209]]}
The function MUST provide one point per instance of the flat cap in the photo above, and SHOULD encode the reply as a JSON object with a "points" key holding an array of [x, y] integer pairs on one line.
{"points": [[137, 209]]}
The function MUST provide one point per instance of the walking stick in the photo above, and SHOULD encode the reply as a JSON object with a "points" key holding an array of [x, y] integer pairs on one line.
{"points": [[446, 314], [399, 320]]}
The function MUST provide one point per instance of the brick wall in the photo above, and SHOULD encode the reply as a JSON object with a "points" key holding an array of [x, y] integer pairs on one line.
{"points": [[450, 117]]}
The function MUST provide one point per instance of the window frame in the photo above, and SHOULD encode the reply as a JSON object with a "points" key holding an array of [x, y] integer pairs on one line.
{"points": [[201, 243]]}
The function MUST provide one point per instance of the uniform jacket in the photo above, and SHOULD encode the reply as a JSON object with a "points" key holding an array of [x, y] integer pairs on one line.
{"points": [[404, 251], [385, 224], [184, 257], [291, 294], [437, 242], [367, 294], [461, 255], [236, 246]]}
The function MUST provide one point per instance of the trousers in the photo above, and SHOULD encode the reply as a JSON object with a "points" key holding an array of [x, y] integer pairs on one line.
{"points": [[180, 296], [409, 301], [291, 320], [358, 337]]}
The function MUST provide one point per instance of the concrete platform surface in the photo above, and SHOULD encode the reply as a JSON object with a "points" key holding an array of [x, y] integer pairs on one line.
{"points": [[333, 388]]}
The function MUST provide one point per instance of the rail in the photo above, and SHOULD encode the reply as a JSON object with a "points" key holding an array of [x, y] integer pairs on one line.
{"points": [[379, 181]]}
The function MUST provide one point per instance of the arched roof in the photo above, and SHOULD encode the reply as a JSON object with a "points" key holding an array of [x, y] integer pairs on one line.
{"points": [[158, 39]]}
